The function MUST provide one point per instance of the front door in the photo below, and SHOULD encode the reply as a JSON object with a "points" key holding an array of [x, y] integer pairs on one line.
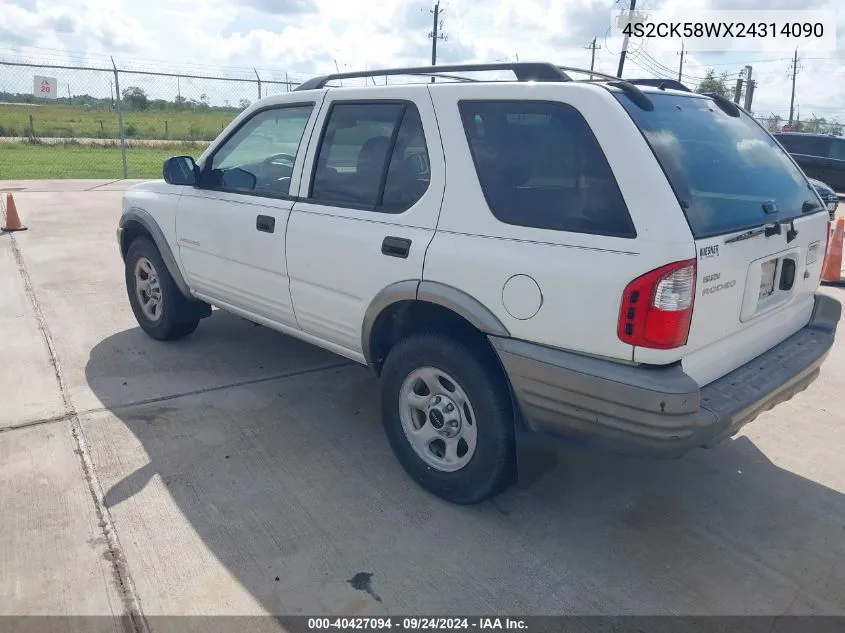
{"points": [[369, 203], [231, 227]]}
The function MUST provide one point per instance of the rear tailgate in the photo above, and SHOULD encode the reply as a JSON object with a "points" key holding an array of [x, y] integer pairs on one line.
{"points": [[759, 230], [752, 292]]}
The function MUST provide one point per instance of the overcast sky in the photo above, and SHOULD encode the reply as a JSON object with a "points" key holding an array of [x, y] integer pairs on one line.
{"points": [[307, 36]]}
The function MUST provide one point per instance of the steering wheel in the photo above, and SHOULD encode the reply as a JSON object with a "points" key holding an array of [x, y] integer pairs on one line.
{"points": [[271, 160]]}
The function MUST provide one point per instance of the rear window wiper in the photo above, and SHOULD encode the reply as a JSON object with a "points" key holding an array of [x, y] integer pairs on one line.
{"points": [[768, 230]]}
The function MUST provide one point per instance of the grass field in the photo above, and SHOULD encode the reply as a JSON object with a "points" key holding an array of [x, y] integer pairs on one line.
{"points": [[20, 161], [76, 122]]}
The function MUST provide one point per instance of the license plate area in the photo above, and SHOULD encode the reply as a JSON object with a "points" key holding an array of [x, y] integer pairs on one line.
{"points": [[768, 272]]}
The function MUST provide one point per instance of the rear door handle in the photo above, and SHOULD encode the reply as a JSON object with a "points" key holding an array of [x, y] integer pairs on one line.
{"points": [[265, 223], [396, 247]]}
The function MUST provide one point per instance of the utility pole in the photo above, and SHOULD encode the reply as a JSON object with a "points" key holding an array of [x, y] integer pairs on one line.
{"points": [[592, 46], [436, 35], [792, 98], [625, 41], [681, 67], [738, 90], [749, 88]]}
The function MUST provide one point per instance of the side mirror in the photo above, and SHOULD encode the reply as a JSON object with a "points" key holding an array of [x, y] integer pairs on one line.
{"points": [[180, 170]]}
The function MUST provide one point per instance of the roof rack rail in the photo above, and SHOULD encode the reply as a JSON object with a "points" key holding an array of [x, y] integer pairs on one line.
{"points": [[592, 73], [662, 84], [524, 71], [725, 104]]}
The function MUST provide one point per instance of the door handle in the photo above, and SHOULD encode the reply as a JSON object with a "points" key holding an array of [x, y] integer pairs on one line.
{"points": [[396, 247], [265, 223]]}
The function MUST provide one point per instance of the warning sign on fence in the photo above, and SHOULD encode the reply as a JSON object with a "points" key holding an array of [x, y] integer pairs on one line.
{"points": [[44, 87]]}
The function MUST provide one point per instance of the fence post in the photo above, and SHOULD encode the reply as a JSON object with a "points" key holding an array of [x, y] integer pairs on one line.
{"points": [[259, 82], [120, 119]]}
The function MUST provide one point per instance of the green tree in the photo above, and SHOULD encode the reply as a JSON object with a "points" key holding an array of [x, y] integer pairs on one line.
{"points": [[243, 104], [135, 98], [712, 83]]}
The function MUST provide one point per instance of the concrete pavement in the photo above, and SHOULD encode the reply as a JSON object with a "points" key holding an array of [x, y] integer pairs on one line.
{"points": [[242, 472]]}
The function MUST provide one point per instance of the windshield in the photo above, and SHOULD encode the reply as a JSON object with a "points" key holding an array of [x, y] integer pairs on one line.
{"points": [[723, 169]]}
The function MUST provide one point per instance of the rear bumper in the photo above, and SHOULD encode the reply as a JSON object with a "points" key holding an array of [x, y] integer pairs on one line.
{"points": [[659, 411]]}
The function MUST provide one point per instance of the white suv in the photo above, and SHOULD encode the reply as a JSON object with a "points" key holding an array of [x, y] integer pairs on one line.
{"points": [[628, 267]]}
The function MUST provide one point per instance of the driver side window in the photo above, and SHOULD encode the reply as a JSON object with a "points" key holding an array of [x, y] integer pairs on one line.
{"points": [[258, 158]]}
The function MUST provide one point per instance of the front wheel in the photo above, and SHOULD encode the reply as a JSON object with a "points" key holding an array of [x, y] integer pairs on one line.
{"points": [[448, 417], [157, 303]]}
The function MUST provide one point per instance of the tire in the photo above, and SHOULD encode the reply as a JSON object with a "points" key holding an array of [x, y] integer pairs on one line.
{"points": [[169, 320], [479, 383]]}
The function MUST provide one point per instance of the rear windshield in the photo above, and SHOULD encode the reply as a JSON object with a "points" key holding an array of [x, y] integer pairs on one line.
{"points": [[725, 171]]}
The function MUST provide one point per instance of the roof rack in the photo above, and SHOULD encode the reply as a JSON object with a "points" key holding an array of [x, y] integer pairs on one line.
{"points": [[592, 73], [524, 71], [662, 84]]}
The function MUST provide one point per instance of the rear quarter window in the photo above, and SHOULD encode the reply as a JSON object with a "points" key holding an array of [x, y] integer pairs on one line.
{"points": [[540, 166]]}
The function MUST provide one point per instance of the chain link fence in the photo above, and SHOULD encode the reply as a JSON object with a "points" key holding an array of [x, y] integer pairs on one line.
{"points": [[75, 122]]}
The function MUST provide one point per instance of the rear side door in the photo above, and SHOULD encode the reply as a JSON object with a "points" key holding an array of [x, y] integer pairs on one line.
{"points": [[369, 201], [231, 226]]}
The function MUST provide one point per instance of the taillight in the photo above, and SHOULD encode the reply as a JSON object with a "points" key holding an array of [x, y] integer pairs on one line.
{"points": [[827, 240], [656, 309]]}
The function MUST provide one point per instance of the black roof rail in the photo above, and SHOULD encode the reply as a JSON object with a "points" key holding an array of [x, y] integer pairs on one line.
{"points": [[524, 71], [726, 105], [592, 73], [663, 84], [634, 94]]}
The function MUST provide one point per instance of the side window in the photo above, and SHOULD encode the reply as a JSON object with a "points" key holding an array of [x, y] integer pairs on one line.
{"points": [[259, 156], [540, 166], [409, 172], [372, 156], [837, 149], [805, 145]]}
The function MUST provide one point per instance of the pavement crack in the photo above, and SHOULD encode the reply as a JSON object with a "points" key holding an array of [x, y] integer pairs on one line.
{"points": [[104, 184], [122, 578], [239, 383]]}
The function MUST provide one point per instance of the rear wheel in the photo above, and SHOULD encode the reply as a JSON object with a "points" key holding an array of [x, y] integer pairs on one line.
{"points": [[448, 417], [159, 307]]}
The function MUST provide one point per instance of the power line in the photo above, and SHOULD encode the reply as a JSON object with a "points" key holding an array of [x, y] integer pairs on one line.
{"points": [[660, 71], [671, 71]]}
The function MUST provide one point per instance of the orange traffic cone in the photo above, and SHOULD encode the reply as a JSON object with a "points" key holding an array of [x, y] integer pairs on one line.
{"points": [[832, 268], [13, 222]]}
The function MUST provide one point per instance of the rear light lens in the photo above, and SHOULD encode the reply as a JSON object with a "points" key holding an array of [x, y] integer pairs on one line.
{"points": [[656, 309], [827, 239], [813, 251]]}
